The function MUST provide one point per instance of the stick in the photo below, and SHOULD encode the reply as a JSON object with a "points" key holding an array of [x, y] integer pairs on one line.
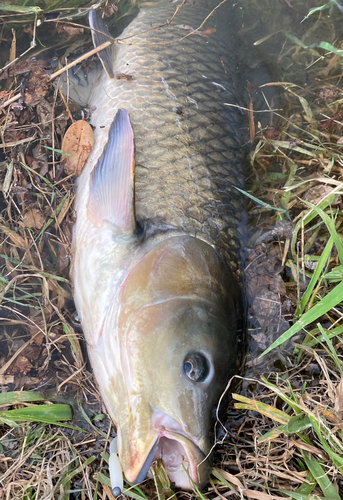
{"points": [[65, 68]]}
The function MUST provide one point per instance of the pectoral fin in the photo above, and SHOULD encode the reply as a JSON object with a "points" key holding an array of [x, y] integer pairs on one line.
{"points": [[100, 35], [111, 196]]}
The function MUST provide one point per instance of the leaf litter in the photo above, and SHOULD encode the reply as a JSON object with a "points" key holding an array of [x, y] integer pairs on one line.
{"points": [[282, 434]]}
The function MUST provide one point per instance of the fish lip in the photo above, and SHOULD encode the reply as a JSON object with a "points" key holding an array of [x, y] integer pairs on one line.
{"points": [[189, 467]]}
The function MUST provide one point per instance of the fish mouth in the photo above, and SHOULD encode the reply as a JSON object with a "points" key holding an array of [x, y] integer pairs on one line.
{"points": [[184, 462]]}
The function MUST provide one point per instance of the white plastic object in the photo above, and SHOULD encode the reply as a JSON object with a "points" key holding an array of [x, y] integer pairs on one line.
{"points": [[116, 472]]}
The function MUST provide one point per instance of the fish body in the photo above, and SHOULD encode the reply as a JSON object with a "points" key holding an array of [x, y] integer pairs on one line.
{"points": [[156, 245]]}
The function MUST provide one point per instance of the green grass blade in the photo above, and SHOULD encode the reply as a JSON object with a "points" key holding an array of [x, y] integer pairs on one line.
{"points": [[331, 300], [295, 40], [16, 397], [17, 8], [48, 414], [264, 409], [308, 218], [260, 202], [222, 479], [331, 349], [323, 261], [317, 9], [76, 471], [293, 404], [311, 340], [330, 224], [326, 442], [303, 496], [330, 48], [297, 424], [335, 275], [321, 477], [88, 420], [44, 179]]}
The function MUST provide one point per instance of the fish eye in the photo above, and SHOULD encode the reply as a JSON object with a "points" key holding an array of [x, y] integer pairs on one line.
{"points": [[196, 367]]}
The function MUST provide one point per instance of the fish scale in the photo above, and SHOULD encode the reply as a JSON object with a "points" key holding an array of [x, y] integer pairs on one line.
{"points": [[186, 164]]}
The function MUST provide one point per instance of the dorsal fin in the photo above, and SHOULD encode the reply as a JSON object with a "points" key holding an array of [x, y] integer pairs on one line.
{"points": [[111, 190], [100, 35]]}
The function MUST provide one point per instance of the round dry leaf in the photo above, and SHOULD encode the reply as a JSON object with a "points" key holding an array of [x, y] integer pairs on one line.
{"points": [[77, 144]]}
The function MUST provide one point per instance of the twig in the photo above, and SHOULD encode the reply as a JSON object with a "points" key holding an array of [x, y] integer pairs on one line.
{"points": [[65, 68], [21, 141], [32, 45], [80, 59]]}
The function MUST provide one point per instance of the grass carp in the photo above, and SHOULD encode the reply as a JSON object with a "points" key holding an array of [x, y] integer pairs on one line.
{"points": [[156, 245]]}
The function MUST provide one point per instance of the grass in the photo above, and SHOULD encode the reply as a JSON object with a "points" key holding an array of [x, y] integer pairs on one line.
{"points": [[282, 436]]}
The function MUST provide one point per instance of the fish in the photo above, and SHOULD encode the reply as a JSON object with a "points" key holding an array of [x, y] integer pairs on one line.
{"points": [[157, 242]]}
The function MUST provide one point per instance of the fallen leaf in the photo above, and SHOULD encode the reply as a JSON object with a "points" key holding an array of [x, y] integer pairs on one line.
{"points": [[68, 30], [35, 328], [15, 238], [21, 365], [78, 143], [13, 46], [32, 352], [35, 86], [22, 67], [33, 218]]}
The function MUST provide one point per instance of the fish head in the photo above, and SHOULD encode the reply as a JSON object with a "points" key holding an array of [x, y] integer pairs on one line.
{"points": [[178, 346]]}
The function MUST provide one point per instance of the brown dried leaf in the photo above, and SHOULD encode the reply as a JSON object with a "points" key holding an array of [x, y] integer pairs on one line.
{"points": [[22, 67], [32, 352], [13, 48], [35, 328], [316, 193], [15, 238], [44, 112], [77, 142], [33, 218], [21, 365], [35, 86], [38, 339], [63, 257], [68, 30]]}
